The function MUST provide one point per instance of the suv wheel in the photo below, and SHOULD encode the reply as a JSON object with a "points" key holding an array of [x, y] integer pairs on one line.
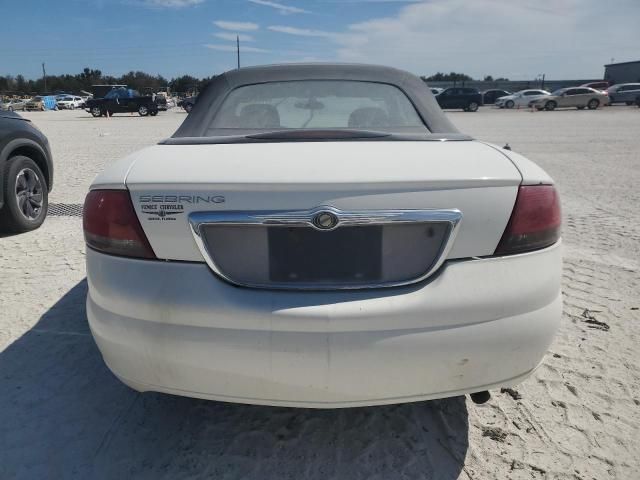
{"points": [[593, 104], [143, 111], [550, 105], [96, 111], [188, 107], [153, 113], [472, 107], [25, 196]]}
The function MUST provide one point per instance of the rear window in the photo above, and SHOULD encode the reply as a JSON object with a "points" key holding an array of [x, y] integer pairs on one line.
{"points": [[317, 104]]}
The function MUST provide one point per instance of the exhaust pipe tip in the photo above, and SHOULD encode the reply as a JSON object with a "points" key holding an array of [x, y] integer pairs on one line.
{"points": [[480, 397]]}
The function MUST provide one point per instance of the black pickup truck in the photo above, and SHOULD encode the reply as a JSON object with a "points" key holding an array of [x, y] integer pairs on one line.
{"points": [[468, 99], [122, 100]]}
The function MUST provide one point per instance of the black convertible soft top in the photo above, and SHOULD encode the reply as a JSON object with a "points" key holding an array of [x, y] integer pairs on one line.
{"points": [[195, 125]]}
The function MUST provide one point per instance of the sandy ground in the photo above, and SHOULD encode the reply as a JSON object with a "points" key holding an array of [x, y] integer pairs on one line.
{"points": [[63, 415]]}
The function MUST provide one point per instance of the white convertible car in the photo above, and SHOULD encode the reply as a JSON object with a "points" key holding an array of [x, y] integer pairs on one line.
{"points": [[322, 236]]}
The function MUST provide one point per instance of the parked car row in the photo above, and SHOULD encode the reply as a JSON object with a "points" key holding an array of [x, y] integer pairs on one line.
{"points": [[120, 99], [590, 95], [43, 102]]}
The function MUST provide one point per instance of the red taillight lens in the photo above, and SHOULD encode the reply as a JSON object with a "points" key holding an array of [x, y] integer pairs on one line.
{"points": [[535, 221], [111, 225]]}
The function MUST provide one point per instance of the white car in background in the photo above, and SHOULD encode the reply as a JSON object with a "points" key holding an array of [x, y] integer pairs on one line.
{"points": [[70, 102], [322, 236], [520, 99]]}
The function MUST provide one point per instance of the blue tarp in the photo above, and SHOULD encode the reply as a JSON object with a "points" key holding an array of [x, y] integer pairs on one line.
{"points": [[49, 102]]}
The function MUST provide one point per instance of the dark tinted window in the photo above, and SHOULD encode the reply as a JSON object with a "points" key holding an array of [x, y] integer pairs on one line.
{"points": [[117, 93]]}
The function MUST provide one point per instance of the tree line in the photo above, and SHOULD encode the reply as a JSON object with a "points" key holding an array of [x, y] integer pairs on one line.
{"points": [[459, 77], [144, 81], [82, 81]]}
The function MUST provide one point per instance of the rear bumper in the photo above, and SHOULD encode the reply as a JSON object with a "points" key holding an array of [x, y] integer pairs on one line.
{"points": [[176, 328]]}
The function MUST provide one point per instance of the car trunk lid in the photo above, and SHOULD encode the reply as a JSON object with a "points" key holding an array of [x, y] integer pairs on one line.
{"points": [[169, 183]]}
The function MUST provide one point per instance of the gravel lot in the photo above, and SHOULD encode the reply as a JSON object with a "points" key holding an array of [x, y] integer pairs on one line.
{"points": [[63, 415]]}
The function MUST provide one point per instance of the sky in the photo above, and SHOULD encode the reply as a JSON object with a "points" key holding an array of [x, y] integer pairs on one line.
{"points": [[517, 39]]}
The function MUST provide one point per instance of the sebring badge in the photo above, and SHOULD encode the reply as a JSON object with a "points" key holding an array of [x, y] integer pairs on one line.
{"points": [[325, 221]]}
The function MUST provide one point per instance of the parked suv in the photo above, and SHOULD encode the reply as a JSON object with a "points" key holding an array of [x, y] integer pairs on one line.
{"points": [[26, 174], [624, 93], [468, 99], [70, 102], [121, 100]]}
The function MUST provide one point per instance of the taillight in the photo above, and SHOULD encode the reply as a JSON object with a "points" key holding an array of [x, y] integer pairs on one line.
{"points": [[535, 221], [111, 225]]}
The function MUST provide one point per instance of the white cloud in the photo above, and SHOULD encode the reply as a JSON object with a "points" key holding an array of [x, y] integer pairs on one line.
{"points": [[236, 26], [172, 3], [301, 32], [232, 48], [377, 1], [232, 36], [284, 9], [518, 40]]}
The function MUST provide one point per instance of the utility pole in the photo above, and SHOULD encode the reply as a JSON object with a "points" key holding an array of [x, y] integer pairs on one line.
{"points": [[238, 48], [542, 87], [44, 77]]}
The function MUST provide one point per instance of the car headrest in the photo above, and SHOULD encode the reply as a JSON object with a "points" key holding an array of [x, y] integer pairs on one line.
{"points": [[259, 115], [368, 117]]}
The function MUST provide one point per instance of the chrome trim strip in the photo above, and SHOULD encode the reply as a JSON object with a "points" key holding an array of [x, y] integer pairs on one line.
{"points": [[304, 218]]}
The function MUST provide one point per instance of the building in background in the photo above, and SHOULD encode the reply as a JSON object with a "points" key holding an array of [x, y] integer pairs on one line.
{"points": [[623, 72]]}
